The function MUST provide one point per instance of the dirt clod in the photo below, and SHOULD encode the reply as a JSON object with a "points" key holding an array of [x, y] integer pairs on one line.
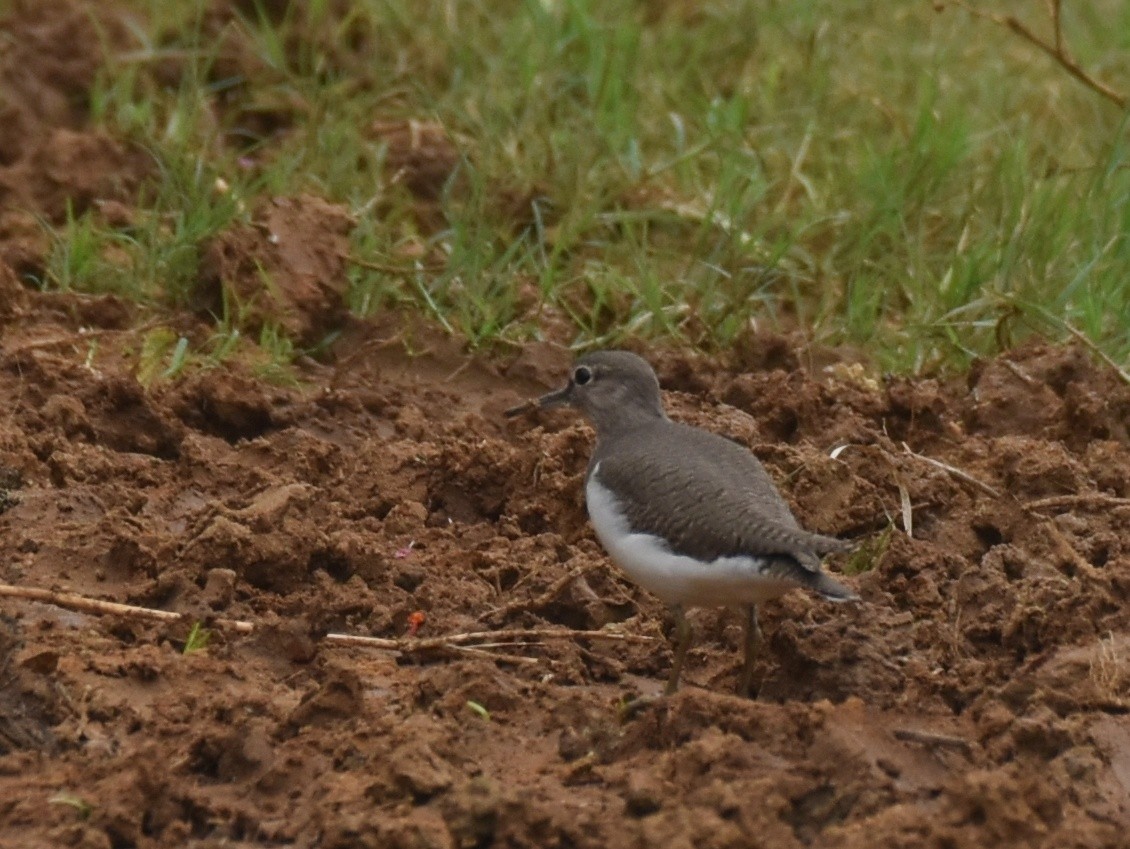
{"points": [[286, 270]]}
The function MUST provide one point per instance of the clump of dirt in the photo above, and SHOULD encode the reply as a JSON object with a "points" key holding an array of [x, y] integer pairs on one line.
{"points": [[70, 170], [52, 164], [286, 268], [976, 694], [13, 296], [48, 62], [419, 154]]}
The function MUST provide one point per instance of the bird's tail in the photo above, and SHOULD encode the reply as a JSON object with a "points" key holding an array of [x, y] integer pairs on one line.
{"points": [[826, 585], [832, 589], [807, 573]]}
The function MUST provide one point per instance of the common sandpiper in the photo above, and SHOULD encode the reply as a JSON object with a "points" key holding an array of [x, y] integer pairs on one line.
{"points": [[689, 515]]}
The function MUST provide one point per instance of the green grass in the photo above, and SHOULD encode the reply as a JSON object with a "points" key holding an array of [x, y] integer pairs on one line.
{"points": [[197, 639], [924, 186]]}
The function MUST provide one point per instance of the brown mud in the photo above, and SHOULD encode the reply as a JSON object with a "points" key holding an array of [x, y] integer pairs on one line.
{"points": [[976, 696]]}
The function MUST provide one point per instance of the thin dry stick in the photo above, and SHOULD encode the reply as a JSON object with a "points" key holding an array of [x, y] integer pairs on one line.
{"points": [[953, 470], [547, 597], [86, 336], [1090, 499], [931, 738], [484, 651], [389, 267], [1058, 49], [73, 601], [1123, 375], [426, 643], [905, 504], [1076, 333], [83, 604], [1067, 551]]}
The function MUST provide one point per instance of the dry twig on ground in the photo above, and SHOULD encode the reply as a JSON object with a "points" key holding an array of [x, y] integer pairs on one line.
{"points": [[546, 598], [932, 739], [1081, 499], [98, 607], [1056, 49], [1123, 375], [471, 641], [953, 470]]}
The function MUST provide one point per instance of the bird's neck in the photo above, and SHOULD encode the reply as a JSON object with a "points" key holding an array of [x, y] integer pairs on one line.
{"points": [[614, 425]]}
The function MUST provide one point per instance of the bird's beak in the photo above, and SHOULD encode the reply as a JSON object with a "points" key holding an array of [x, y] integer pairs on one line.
{"points": [[552, 399]]}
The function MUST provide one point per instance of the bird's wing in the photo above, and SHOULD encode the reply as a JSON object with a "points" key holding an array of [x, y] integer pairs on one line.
{"points": [[697, 507], [737, 465]]}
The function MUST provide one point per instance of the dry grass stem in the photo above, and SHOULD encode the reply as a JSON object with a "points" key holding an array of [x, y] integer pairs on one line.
{"points": [[907, 509], [953, 470], [1057, 49], [413, 267], [490, 637], [932, 739], [459, 642], [1123, 375], [548, 597], [98, 607], [498, 657], [1082, 566], [1085, 499]]}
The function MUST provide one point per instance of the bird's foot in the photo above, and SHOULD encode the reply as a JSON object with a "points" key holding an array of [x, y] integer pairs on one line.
{"points": [[632, 708]]}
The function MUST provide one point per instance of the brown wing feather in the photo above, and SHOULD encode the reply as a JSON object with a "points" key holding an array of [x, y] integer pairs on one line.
{"points": [[706, 495]]}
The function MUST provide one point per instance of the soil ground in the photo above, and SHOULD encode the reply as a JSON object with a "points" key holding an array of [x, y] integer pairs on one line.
{"points": [[976, 696]]}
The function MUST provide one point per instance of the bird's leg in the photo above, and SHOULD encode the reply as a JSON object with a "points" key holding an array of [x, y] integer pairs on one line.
{"points": [[683, 634], [752, 636]]}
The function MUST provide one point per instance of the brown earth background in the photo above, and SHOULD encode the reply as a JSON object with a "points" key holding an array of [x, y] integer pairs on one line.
{"points": [[977, 695]]}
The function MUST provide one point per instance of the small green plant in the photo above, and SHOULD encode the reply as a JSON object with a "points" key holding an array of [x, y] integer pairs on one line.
{"points": [[80, 805], [478, 710], [163, 355], [197, 639], [278, 355], [177, 360], [870, 553]]}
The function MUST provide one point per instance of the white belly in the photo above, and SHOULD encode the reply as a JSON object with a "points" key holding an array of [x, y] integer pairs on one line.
{"points": [[676, 578]]}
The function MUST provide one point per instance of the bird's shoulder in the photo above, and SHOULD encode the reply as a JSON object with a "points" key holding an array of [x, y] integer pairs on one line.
{"points": [[668, 439], [686, 456]]}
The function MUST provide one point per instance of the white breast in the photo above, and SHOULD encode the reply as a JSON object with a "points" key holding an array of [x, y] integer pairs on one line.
{"points": [[676, 578]]}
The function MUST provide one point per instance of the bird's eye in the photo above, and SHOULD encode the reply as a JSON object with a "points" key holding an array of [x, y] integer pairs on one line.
{"points": [[582, 375]]}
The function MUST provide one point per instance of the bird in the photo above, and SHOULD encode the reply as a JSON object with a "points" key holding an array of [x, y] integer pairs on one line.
{"points": [[689, 515]]}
